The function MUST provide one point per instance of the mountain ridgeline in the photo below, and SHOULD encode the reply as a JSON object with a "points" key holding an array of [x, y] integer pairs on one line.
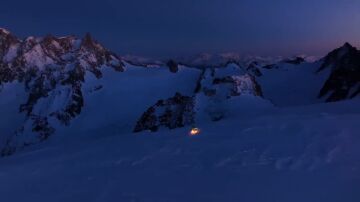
{"points": [[46, 83], [50, 68]]}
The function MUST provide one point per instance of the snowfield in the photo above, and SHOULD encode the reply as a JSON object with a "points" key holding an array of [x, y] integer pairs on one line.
{"points": [[12, 96], [258, 153], [290, 85], [123, 97]]}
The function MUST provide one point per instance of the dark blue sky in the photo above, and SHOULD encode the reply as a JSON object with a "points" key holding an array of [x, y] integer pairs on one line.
{"points": [[165, 28]]}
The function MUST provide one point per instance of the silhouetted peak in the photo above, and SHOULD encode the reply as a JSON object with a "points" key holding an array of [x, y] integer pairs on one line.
{"points": [[347, 45], [343, 57]]}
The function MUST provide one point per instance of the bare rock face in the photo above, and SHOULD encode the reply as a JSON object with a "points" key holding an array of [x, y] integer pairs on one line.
{"points": [[270, 66], [210, 83], [217, 86], [344, 80], [173, 66], [245, 84], [225, 88], [295, 61], [175, 112], [254, 69], [51, 69], [8, 49]]}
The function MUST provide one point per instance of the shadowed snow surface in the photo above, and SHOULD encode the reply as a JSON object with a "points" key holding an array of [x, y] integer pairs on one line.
{"points": [[279, 143], [258, 153]]}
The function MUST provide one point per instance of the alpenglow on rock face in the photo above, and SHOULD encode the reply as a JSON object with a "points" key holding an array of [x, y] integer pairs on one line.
{"points": [[52, 70]]}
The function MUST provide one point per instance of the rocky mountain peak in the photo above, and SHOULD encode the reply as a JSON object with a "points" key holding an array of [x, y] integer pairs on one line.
{"points": [[343, 57], [90, 44], [347, 45], [5, 34], [6, 41], [52, 69], [344, 78], [4, 31]]}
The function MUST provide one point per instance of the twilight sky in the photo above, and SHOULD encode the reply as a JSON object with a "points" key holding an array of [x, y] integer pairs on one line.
{"points": [[165, 28]]}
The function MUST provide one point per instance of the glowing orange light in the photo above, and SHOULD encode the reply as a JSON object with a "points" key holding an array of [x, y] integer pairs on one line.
{"points": [[194, 131]]}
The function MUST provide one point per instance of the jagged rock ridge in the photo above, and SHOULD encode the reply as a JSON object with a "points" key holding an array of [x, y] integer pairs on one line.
{"points": [[175, 112], [217, 85], [51, 69]]}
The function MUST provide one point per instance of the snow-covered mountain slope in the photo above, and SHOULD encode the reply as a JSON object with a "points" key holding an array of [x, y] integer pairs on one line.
{"points": [[215, 88], [51, 71], [66, 85], [266, 129], [12, 96], [297, 82], [308, 153], [124, 97], [72, 85], [288, 84], [219, 88], [77, 83]]}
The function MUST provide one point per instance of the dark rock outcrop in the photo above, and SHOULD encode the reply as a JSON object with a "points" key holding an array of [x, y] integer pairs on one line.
{"points": [[175, 112], [173, 66], [245, 84], [271, 66], [344, 80], [254, 69], [295, 61]]}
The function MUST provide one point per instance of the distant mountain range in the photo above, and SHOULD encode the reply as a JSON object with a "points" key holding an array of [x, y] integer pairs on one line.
{"points": [[214, 60], [67, 85]]}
